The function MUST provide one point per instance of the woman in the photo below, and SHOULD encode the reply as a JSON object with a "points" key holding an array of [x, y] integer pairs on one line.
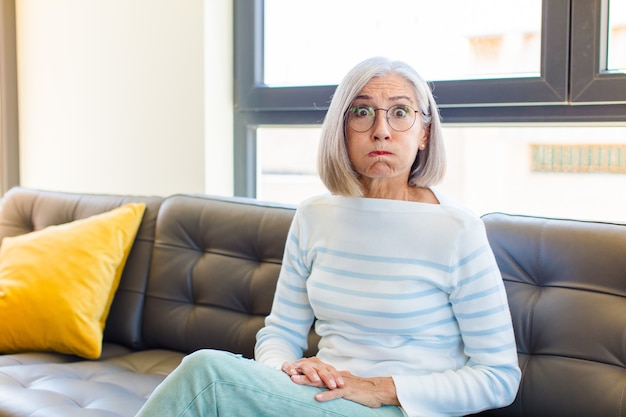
{"points": [[409, 302]]}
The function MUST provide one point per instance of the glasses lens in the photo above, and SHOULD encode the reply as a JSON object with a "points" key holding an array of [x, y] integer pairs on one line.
{"points": [[361, 118], [401, 117]]}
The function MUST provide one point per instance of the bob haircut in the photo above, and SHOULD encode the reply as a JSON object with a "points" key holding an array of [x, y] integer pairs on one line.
{"points": [[334, 165]]}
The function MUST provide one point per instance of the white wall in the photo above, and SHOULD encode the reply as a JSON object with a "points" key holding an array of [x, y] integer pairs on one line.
{"points": [[112, 95], [218, 82]]}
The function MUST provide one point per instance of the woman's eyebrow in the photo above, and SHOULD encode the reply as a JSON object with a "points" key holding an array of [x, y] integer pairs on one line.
{"points": [[394, 98]]}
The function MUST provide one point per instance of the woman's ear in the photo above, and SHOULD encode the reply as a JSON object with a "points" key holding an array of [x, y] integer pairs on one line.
{"points": [[424, 138]]}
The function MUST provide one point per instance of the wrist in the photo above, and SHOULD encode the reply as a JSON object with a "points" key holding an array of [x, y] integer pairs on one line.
{"points": [[386, 390]]}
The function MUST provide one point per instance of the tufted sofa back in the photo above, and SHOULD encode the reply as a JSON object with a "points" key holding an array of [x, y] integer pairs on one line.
{"points": [[213, 272], [566, 285]]}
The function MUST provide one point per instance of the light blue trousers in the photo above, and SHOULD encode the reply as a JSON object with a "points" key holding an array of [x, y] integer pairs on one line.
{"points": [[214, 383]]}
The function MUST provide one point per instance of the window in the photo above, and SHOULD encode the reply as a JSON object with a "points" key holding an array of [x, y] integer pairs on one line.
{"points": [[297, 52], [569, 94], [554, 170], [287, 179], [558, 170], [548, 86]]}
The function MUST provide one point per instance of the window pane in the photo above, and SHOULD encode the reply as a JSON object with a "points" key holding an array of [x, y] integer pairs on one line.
{"points": [[316, 43], [287, 164], [617, 36], [560, 171]]}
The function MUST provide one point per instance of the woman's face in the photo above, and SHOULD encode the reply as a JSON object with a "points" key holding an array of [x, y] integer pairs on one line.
{"points": [[382, 152]]}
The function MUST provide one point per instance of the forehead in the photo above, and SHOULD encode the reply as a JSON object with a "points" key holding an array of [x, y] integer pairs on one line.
{"points": [[388, 87]]}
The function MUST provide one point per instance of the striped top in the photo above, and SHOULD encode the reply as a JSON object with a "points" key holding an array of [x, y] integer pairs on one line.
{"points": [[402, 289]]}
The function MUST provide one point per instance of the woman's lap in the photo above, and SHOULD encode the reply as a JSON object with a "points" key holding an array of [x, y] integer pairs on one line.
{"points": [[215, 383]]}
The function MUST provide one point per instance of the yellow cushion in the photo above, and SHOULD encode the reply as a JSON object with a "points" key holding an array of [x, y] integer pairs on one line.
{"points": [[57, 283]]}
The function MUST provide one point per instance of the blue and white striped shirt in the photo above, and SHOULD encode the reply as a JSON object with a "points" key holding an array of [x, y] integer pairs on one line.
{"points": [[401, 289]]}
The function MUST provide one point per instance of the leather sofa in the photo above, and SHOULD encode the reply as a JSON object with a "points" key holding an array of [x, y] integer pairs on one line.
{"points": [[202, 273]]}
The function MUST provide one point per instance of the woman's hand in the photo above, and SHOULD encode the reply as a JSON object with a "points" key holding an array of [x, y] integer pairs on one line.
{"points": [[313, 372], [371, 392]]}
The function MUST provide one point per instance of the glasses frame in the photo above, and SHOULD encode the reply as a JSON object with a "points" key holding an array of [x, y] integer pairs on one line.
{"points": [[375, 110]]}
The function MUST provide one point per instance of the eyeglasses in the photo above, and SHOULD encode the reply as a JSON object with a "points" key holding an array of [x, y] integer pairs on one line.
{"points": [[400, 117]]}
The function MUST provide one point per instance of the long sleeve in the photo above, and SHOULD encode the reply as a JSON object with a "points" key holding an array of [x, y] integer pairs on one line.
{"points": [[284, 336], [491, 376]]}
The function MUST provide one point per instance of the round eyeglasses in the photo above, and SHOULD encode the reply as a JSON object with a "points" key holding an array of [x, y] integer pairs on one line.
{"points": [[400, 117]]}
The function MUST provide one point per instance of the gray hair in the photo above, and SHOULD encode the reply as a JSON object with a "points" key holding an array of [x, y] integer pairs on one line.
{"points": [[335, 168]]}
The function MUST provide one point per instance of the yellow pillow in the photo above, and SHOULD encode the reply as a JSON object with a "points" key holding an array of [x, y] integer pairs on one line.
{"points": [[57, 283]]}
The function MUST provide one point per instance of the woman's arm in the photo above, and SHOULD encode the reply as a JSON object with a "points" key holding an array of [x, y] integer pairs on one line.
{"points": [[491, 374], [284, 336]]}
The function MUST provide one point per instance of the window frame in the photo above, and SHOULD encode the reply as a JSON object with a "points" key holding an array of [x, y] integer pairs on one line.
{"points": [[559, 94], [9, 138], [590, 81]]}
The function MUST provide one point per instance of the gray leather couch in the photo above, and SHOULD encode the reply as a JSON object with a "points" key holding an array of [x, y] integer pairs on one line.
{"points": [[202, 274]]}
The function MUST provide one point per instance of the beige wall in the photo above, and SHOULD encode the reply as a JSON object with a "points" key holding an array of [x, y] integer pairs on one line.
{"points": [[118, 96]]}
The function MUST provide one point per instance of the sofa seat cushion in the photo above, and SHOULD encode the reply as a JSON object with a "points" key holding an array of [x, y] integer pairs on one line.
{"points": [[116, 386], [109, 350]]}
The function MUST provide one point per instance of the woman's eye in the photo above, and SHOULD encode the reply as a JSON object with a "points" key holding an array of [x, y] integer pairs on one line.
{"points": [[361, 111], [400, 112]]}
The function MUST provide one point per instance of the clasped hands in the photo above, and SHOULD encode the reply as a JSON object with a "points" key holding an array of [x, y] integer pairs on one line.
{"points": [[371, 392]]}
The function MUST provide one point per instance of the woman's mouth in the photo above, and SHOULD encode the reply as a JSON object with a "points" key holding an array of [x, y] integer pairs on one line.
{"points": [[379, 153]]}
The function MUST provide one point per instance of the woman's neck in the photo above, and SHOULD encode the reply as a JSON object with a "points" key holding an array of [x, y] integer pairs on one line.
{"points": [[404, 192]]}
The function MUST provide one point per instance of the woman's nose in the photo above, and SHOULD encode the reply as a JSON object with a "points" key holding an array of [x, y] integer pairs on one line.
{"points": [[381, 129]]}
